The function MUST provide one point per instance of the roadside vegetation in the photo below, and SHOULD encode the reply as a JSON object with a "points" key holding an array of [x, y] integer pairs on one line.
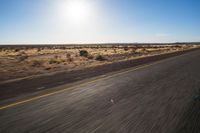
{"points": [[21, 61]]}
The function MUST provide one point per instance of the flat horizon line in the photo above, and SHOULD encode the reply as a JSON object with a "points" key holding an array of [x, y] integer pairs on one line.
{"points": [[98, 43]]}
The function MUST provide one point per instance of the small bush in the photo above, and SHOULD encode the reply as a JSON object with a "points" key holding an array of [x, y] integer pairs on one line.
{"points": [[84, 53], [56, 61], [36, 63], [38, 49], [126, 49], [56, 57], [100, 58], [76, 55], [133, 51], [47, 68], [69, 59], [68, 55], [22, 53], [16, 50], [90, 57], [22, 56], [53, 61]]}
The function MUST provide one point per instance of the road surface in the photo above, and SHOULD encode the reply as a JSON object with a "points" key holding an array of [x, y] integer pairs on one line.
{"points": [[157, 98]]}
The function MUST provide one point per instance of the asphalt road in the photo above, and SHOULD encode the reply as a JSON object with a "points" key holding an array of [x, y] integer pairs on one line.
{"points": [[158, 98]]}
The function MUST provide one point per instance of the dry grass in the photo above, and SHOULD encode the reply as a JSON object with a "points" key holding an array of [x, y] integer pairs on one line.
{"points": [[20, 62]]}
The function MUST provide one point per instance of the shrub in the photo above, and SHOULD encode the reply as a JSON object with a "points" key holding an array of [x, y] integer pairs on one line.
{"points": [[76, 55], [100, 58], [36, 63], [84, 53], [16, 50], [22, 56], [126, 49], [38, 49], [2, 49], [56, 56], [68, 55], [90, 57], [47, 68], [133, 51], [56, 61], [53, 61], [69, 59]]}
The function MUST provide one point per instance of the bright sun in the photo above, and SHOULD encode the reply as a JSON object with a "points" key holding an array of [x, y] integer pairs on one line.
{"points": [[76, 10]]}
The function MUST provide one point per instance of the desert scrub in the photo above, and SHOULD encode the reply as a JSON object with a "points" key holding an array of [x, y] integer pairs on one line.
{"points": [[69, 58], [133, 51], [56, 56], [68, 55], [22, 56], [115, 51], [16, 50], [100, 58], [38, 49], [47, 68], [53, 61], [36, 63], [56, 61], [126, 48], [83, 53], [90, 57]]}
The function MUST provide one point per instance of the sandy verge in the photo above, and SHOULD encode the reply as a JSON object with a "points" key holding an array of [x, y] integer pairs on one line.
{"points": [[21, 62]]}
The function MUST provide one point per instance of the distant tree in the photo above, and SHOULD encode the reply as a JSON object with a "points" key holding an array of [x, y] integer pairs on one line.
{"points": [[83, 53]]}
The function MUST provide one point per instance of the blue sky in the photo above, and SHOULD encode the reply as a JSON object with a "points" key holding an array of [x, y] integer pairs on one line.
{"points": [[43, 21]]}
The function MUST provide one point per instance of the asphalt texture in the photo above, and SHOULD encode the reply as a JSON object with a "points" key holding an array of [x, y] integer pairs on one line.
{"points": [[159, 98]]}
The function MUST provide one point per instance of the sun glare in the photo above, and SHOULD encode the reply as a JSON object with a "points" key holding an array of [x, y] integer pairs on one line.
{"points": [[76, 10]]}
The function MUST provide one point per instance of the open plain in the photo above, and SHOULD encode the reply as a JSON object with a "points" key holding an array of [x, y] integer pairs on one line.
{"points": [[22, 61]]}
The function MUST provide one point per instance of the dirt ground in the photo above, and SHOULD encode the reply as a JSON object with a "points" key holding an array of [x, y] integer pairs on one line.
{"points": [[17, 62]]}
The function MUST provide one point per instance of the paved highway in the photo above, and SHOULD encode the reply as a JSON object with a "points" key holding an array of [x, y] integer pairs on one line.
{"points": [[157, 98]]}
